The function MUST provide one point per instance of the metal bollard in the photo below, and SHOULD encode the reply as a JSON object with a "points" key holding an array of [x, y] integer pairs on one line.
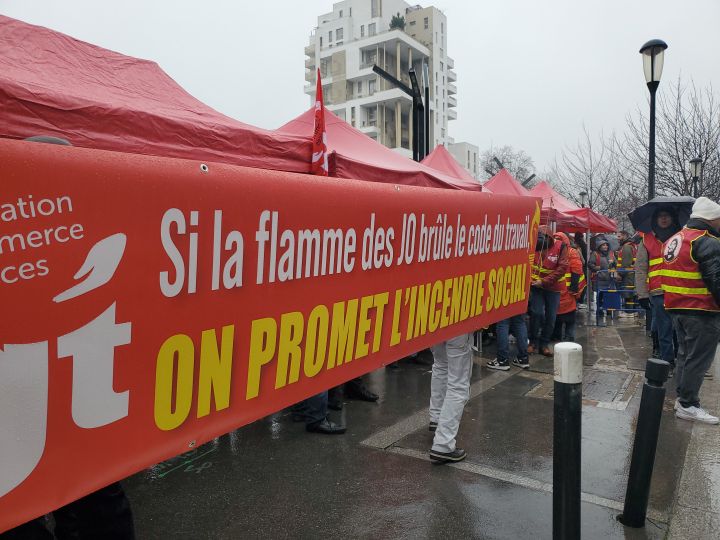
{"points": [[645, 444], [567, 435]]}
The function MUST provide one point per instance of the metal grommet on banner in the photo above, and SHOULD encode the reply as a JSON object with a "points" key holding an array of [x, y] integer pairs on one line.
{"points": [[397, 188], [191, 444], [204, 168]]}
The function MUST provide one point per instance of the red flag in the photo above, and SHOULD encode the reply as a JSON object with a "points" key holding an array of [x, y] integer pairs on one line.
{"points": [[319, 164]]}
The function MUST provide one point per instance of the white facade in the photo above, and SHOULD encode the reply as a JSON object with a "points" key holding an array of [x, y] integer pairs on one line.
{"points": [[468, 155], [353, 37]]}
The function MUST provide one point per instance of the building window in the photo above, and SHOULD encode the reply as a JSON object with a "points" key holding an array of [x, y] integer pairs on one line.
{"points": [[320, 41], [359, 88], [442, 66], [362, 30], [351, 12], [338, 43], [412, 23], [371, 29], [371, 86], [375, 8], [330, 35], [339, 34], [442, 26], [426, 23], [371, 118], [352, 116], [442, 132], [468, 158], [436, 37], [341, 13]]}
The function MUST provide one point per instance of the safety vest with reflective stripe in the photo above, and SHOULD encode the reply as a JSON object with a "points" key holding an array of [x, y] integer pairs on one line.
{"points": [[548, 263], [581, 282], [682, 282], [624, 264], [654, 248]]}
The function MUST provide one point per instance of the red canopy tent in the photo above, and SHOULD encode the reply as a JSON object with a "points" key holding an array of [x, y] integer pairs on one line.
{"points": [[568, 216], [442, 160], [355, 155], [52, 84], [504, 183]]}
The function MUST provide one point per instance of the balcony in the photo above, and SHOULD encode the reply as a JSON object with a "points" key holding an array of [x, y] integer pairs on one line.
{"points": [[310, 75], [451, 75], [452, 114], [310, 63], [369, 127], [451, 88], [452, 101], [310, 49], [450, 62]]}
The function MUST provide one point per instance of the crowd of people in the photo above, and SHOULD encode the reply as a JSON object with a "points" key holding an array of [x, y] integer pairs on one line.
{"points": [[670, 274]]}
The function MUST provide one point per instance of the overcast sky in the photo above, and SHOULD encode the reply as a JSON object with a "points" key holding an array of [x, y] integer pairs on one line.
{"points": [[530, 72]]}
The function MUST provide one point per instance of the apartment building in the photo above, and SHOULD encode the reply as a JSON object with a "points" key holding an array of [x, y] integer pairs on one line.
{"points": [[467, 155], [357, 34]]}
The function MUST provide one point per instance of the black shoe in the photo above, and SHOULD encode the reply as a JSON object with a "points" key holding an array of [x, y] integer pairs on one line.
{"points": [[327, 427], [433, 426], [448, 457], [497, 364], [362, 394], [521, 363]]}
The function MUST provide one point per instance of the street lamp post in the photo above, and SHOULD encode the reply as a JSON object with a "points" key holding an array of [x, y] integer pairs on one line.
{"points": [[583, 197], [695, 167], [653, 53]]}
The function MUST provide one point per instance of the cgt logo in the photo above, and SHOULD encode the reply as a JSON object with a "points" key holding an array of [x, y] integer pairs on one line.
{"points": [[24, 373]]}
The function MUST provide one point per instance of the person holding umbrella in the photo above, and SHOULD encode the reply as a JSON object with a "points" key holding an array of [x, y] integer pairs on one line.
{"points": [[657, 220], [691, 281]]}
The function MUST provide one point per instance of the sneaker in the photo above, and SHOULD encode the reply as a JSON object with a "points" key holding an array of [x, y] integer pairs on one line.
{"points": [[496, 364], [433, 426], [677, 404], [447, 457], [696, 414], [521, 363]]}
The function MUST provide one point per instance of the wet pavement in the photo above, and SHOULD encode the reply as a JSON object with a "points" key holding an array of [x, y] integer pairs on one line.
{"points": [[272, 479]]}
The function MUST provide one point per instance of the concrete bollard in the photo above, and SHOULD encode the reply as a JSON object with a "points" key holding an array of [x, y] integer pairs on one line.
{"points": [[567, 436], [645, 444]]}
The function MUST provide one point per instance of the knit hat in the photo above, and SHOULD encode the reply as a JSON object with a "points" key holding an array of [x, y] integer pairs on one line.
{"points": [[705, 209]]}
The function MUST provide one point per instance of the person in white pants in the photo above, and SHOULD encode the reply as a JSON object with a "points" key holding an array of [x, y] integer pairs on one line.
{"points": [[449, 392]]}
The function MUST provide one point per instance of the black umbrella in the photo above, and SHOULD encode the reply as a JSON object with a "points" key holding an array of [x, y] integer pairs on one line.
{"points": [[641, 217]]}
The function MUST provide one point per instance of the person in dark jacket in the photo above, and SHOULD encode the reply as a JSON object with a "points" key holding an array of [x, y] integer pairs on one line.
{"points": [[691, 282], [602, 264]]}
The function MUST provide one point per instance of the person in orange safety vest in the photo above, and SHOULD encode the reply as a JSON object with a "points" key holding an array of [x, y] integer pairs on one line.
{"points": [[573, 286], [548, 279], [691, 283]]}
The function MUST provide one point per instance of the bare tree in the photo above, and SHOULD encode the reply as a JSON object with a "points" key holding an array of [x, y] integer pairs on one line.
{"points": [[592, 167], [517, 162], [687, 126]]}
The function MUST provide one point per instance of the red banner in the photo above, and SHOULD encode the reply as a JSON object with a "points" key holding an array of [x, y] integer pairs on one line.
{"points": [[150, 305]]}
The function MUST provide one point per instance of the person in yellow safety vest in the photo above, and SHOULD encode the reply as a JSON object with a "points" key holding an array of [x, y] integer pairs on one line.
{"points": [[691, 282], [648, 277]]}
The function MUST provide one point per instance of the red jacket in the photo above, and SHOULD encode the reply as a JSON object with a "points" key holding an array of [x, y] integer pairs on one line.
{"points": [[551, 265]]}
